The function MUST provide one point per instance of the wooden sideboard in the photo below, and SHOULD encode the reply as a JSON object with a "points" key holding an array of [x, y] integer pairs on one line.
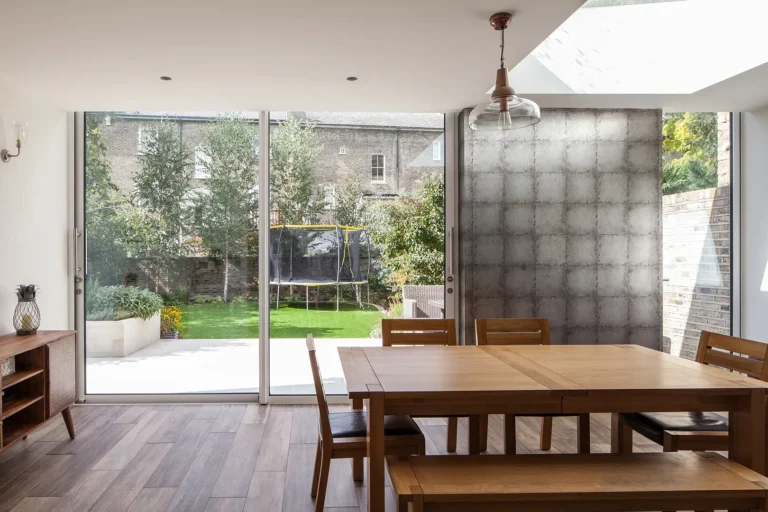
{"points": [[44, 385]]}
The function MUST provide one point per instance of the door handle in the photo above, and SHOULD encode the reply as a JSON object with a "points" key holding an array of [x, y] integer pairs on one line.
{"points": [[78, 269]]}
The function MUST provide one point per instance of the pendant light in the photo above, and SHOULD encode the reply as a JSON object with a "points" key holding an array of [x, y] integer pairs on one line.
{"points": [[506, 111]]}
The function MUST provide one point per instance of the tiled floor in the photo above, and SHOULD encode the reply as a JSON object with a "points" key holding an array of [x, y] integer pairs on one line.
{"points": [[197, 458]]}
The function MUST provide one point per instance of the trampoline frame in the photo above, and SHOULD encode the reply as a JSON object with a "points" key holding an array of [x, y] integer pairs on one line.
{"points": [[341, 246]]}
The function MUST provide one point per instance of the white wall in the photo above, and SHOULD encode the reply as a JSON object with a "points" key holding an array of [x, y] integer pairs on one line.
{"points": [[754, 225], [35, 210]]}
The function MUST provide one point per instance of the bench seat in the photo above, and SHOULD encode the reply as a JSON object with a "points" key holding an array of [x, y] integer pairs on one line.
{"points": [[576, 482]]}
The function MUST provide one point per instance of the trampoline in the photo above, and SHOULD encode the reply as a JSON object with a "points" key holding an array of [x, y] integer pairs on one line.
{"points": [[319, 255]]}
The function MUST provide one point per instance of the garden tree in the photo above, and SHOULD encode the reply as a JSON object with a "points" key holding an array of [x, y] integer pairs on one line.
{"points": [[225, 204], [294, 191], [351, 208], [163, 183], [409, 232], [690, 151], [115, 228]]}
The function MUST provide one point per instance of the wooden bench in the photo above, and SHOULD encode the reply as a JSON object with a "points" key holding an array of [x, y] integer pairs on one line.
{"points": [[575, 482]]}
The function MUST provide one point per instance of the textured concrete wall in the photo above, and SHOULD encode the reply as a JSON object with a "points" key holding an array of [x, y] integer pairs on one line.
{"points": [[697, 267], [563, 221]]}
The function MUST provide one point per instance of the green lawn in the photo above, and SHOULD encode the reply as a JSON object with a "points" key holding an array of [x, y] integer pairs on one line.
{"points": [[241, 320]]}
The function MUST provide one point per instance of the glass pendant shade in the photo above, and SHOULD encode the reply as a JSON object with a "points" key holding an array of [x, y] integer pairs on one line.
{"points": [[22, 130], [521, 113]]}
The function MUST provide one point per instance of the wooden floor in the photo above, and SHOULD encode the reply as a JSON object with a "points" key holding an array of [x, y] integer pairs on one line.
{"points": [[219, 458]]}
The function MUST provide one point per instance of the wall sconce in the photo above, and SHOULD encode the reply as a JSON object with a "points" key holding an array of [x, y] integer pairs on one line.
{"points": [[21, 129]]}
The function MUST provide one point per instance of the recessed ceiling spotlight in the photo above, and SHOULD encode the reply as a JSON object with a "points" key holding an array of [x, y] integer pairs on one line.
{"points": [[166, 78], [351, 79]]}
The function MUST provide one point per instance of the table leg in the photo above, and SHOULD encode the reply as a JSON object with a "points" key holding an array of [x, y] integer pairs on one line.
{"points": [[358, 473], [747, 433], [474, 435], [376, 451]]}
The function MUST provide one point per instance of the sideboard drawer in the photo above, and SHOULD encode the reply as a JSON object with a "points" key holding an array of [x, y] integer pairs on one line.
{"points": [[62, 377]]}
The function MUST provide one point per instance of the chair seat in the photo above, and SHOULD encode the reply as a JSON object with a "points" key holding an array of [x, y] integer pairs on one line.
{"points": [[653, 424], [353, 424]]}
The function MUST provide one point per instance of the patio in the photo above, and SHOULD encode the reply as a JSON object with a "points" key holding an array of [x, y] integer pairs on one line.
{"points": [[219, 366]]}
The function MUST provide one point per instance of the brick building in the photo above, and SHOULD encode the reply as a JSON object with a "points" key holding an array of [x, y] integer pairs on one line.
{"points": [[391, 153]]}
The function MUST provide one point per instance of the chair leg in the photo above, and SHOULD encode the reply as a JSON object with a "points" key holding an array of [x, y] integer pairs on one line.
{"points": [[545, 441], [510, 435], [316, 474], [484, 433], [583, 433], [453, 434], [322, 484], [621, 436], [358, 473]]}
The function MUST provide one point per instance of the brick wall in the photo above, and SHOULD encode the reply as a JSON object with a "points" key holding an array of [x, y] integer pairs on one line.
{"points": [[697, 266]]}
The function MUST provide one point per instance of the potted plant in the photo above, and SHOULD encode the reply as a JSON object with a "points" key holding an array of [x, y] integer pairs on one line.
{"points": [[170, 323]]}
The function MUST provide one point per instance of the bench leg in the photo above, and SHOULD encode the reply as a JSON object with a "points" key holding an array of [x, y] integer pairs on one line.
{"points": [[358, 473], [452, 435], [484, 433], [621, 436], [545, 440], [583, 433], [670, 442], [510, 435]]}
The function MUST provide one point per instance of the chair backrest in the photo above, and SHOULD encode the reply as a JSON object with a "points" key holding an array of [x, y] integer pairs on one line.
{"points": [[421, 331], [322, 403], [736, 354], [512, 331]]}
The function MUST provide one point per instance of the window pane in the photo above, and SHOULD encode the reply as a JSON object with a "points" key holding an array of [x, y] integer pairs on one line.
{"points": [[337, 270], [696, 174], [171, 253]]}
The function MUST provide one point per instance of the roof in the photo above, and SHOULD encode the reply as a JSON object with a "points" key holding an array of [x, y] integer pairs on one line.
{"points": [[337, 119]]}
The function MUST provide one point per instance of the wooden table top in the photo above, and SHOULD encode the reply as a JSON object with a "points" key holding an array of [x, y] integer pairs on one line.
{"points": [[567, 369]]}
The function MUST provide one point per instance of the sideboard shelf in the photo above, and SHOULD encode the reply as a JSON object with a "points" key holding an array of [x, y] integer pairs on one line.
{"points": [[43, 385]]}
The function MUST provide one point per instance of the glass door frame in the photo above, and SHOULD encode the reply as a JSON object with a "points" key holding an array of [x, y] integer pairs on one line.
{"points": [[77, 241]]}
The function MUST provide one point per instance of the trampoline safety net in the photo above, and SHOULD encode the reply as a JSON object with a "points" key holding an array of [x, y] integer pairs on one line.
{"points": [[318, 255]]}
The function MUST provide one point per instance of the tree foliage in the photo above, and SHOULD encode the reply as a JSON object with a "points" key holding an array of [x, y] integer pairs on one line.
{"points": [[351, 208], [294, 191], [225, 205], [163, 182], [690, 152], [409, 232], [115, 227]]}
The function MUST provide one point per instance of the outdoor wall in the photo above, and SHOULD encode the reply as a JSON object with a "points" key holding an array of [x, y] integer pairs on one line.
{"points": [[754, 219], [697, 267], [35, 210], [563, 221]]}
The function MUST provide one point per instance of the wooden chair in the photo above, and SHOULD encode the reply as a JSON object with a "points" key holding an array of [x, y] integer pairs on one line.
{"points": [[423, 331], [694, 430], [343, 435], [523, 331]]}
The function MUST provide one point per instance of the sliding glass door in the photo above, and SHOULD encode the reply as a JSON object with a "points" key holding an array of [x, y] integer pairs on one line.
{"points": [[169, 235]]}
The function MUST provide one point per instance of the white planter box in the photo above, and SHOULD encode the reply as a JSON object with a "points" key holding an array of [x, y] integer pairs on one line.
{"points": [[120, 338]]}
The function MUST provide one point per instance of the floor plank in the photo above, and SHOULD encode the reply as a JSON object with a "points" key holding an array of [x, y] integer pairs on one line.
{"points": [[174, 425], [225, 505], [87, 491], [153, 500], [125, 489], [256, 413], [36, 505], [48, 468], [176, 463], [195, 490], [266, 492], [304, 426], [273, 455], [131, 444], [134, 413], [16, 465], [235, 477], [229, 418]]}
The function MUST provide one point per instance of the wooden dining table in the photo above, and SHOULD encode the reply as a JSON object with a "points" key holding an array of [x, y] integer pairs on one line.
{"points": [[472, 381]]}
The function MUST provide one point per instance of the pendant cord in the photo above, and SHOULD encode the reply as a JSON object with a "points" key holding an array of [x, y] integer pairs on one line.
{"points": [[502, 47]]}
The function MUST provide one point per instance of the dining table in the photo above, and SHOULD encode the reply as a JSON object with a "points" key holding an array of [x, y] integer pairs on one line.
{"points": [[474, 381]]}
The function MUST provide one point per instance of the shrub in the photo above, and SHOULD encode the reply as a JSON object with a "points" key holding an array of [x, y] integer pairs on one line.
{"points": [[124, 302], [208, 299]]}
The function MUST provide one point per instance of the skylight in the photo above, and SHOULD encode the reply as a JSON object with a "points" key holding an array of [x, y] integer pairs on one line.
{"points": [[647, 47]]}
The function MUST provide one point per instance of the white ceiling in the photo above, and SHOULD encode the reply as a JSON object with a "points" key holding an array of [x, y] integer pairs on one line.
{"points": [[410, 55]]}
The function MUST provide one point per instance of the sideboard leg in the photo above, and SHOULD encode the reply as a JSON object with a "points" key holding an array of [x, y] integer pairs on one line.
{"points": [[67, 415]]}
